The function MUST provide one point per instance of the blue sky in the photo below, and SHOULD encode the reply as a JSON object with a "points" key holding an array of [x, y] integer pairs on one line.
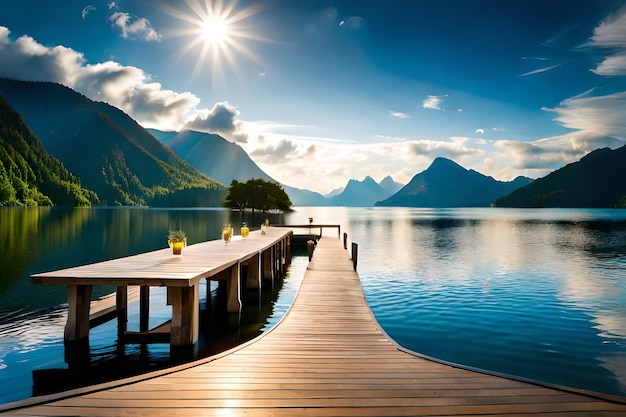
{"points": [[322, 91]]}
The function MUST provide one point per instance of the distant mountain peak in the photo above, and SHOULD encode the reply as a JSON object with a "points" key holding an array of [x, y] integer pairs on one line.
{"points": [[363, 193], [390, 185], [441, 163], [447, 184]]}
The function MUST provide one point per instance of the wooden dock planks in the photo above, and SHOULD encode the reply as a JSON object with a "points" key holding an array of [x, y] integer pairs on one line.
{"points": [[327, 357]]}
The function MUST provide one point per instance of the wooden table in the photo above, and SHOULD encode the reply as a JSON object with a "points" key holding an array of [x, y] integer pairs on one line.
{"points": [[263, 253]]}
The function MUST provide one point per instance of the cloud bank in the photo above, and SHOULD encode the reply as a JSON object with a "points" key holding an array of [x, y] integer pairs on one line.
{"points": [[611, 34], [220, 119], [126, 87], [139, 28]]}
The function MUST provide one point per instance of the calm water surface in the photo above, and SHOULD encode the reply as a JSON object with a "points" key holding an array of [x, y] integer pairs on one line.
{"points": [[539, 294], [32, 317]]}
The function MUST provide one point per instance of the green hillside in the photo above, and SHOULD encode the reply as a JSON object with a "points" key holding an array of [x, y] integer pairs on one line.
{"points": [[28, 174], [109, 151], [596, 181]]}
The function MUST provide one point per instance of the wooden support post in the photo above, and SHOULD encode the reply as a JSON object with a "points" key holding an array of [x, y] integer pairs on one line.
{"points": [[355, 255], [280, 247], [168, 296], [268, 270], [345, 241], [185, 315], [276, 255], [288, 254], [310, 248], [253, 277], [121, 305], [233, 290], [252, 280], [259, 274], [144, 308], [79, 300]]}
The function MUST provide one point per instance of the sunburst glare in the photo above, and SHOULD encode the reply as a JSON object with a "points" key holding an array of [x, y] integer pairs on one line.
{"points": [[217, 31]]}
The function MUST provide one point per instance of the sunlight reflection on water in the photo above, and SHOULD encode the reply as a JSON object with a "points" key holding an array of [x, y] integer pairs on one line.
{"points": [[534, 293]]}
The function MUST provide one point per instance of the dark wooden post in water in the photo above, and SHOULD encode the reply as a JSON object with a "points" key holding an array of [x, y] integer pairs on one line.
{"points": [[79, 300], [121, 303], [355, 254], [144, 308], [185, 315], [345, 240]]}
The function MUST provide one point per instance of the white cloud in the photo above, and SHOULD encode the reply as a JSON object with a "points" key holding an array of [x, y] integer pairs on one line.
{"points": [[126, 87], [596, 115], [540, 70], [87, 9], [276, 153], [456, 148], [25, 59], [220, 119], [596, 122], [433, 102], [612, 65], [4, 36], [399, 115], [112, 5], [140, 28], [611, 34], [612, 31], [480, 131]]}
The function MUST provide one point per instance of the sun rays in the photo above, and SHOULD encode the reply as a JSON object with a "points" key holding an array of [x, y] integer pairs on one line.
{"points": [[217, 33]]}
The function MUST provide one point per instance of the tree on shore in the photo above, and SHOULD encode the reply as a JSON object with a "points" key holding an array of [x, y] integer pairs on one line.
{"points": [[257, 194]]}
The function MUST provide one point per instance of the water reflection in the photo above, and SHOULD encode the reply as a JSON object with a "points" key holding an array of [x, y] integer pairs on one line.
{"points": [[535, 293], [539, 294], [32, 317]]}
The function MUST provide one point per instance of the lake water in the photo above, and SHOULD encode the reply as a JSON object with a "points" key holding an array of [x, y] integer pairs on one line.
{"points": [[539, 294]]}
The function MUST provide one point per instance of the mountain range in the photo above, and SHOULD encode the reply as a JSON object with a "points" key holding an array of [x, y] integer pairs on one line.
{"points": [[105, 157], [109, 151], [225, 161], [365, 193]]}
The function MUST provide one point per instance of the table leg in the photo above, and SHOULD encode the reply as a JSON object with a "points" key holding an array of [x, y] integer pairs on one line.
{"points": [[79, 300], [185, 315]]}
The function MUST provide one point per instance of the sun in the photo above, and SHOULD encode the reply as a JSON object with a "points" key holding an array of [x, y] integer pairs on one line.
{"points": [[216, 31]]}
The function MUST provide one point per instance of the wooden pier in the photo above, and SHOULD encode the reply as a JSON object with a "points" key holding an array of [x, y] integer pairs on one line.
{"points": [[264, 254], [327, 357]]}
